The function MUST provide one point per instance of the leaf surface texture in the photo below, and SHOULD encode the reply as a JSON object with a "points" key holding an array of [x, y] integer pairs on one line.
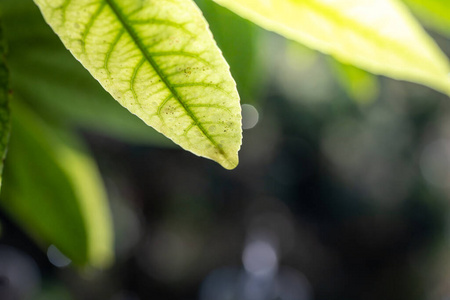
{"points": [[380, 36], [238, 39], [159, 60], [43, 72]]}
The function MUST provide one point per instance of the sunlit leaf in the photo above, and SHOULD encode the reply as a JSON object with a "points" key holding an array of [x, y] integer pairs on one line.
{"points": [[238, 40], [380, 36], [159, 60], [53, 190], [43, 72], [434, 13], [5, 125]]}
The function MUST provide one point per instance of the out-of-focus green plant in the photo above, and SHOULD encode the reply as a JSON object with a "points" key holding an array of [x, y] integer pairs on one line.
{"points": [[434, 14], [5, 125], [52, 186], [159, 60]]}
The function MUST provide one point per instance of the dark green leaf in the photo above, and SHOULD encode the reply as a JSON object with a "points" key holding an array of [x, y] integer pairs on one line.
{"points": [[53, 190], [5, 125]]}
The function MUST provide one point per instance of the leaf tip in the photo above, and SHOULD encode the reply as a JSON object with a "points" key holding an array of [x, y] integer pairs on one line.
{"points": [[230, 163], [228, 157]]}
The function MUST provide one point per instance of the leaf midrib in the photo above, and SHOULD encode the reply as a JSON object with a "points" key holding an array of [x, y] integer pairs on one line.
{"points": [[135, 37]]}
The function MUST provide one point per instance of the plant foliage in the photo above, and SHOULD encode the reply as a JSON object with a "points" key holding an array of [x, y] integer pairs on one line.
{"points": [[376, 35], [5, 125], [159, 60]]}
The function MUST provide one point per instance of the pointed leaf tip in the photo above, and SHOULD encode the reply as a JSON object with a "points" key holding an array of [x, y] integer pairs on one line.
{"points": [[159, 60]]}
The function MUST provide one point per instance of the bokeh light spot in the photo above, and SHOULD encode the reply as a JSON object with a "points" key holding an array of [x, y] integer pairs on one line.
{"points": [[57, 258], [19, 275], [260, 258], [250, 116]]}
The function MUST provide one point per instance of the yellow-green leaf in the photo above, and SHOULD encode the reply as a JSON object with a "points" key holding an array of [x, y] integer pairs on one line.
{"points": [[5, 125], [52, 188], [380, 36], [238, 39], [159, 60], [42, 72], [434, 13]]}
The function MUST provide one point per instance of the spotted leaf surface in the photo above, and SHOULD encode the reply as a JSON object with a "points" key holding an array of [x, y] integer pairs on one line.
{"points": [[380, 36], [159, 60]]}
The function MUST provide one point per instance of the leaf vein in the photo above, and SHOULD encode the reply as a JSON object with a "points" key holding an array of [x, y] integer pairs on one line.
{"points": [[162, 22], [181, 53], [89, 25], [174, 93], [133, 80], [111, 49]]}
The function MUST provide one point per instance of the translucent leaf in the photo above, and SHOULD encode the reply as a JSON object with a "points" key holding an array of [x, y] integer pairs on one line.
{"points": [[53, 189], [5, 125], [230, 30], [434, 13], [377, 35], [159, 60], [43, 72]]}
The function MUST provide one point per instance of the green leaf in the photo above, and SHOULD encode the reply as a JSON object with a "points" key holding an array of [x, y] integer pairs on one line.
{"points": [[43, 72], [159, 60], [53, 189], [230, 30], [434, 13], [5, 125], [377, 35]]}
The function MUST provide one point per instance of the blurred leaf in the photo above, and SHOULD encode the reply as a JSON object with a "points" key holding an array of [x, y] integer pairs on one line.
{"points": [[361, 86], [434, 13], [45, 74], [230, 30], [377, 35], [5, 126], [53, 189], [159, 60], [54, 291]]}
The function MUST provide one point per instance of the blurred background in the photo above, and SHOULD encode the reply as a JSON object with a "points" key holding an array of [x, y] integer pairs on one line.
{"points": [[342, 191]]}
